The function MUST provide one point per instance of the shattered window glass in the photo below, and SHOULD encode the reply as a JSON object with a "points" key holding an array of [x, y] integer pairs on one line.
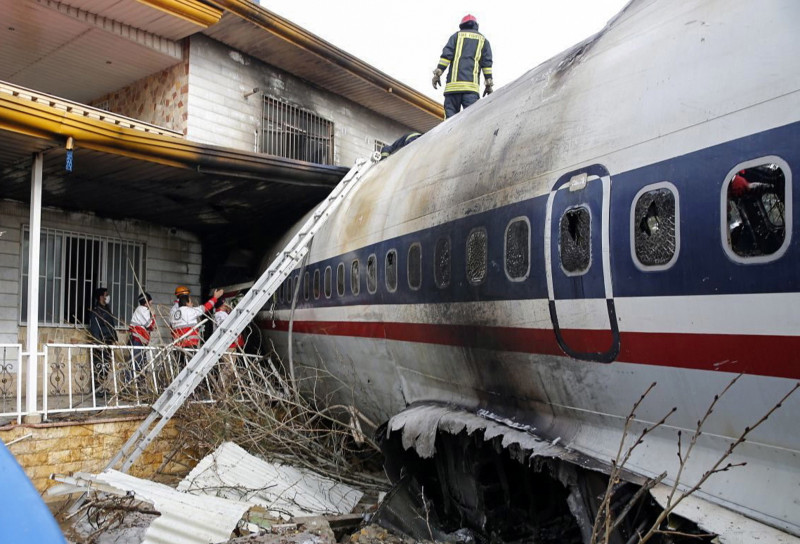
{"points": [[441, 263], [654, 235], [476, 256], [316, 283], [391, 270], [355, 278], [517, 254], [340, 280], [328, 281], [756, 204], [575, 240], [305, 286], [415, 266], [372, 274]]}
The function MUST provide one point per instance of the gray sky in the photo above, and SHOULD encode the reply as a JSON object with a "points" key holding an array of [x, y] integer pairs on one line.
{"points": [[404, 38]]}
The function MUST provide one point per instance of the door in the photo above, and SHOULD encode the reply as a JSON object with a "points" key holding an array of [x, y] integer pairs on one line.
{"points": [[577, 259]]}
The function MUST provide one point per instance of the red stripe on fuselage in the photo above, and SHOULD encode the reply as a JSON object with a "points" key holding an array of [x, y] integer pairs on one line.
{"points": [[775, 356]]}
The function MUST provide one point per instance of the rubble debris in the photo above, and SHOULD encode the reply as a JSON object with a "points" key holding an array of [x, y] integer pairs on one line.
{"points": [[285, 491]]}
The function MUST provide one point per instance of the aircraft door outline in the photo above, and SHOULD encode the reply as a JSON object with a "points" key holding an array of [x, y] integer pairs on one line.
{"points": [[584, 194]]}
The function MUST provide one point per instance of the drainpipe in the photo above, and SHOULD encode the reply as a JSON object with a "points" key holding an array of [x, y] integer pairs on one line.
{"points": [[31, 383]]}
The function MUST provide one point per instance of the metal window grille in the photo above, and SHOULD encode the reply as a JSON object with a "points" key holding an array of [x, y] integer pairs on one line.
{"points": [[72, 266], [294, 133]]}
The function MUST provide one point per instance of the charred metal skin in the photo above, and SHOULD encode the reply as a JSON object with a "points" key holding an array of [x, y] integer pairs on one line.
{"points": [[549, 253]]}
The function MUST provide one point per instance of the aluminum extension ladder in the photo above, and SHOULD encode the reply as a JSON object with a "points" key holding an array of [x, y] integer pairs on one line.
{"points": [[259, 294]]}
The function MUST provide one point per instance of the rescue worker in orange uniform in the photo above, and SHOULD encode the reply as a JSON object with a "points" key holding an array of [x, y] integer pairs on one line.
{"points": [[467, 53], [185, 320]]}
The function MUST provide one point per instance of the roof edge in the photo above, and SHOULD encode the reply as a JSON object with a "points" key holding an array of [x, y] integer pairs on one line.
{"points": [[290, 32], [194, 11]]}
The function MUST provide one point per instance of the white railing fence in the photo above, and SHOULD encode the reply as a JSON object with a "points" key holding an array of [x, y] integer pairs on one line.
{"points": [[88, 377]]}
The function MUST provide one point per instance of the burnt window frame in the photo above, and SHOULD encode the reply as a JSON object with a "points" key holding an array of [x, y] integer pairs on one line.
{"points": [[444, 285], [419, 268], [340, 279], [374, 289], [355, 263], [485, 254], [316, 284], [676, 196], [787, 211], [386, 270], [521, 218], [591, 240], [327, 282]]}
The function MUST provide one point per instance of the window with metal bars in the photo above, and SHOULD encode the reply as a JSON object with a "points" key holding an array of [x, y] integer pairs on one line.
{"points": [[291, 132], [72, 266]]}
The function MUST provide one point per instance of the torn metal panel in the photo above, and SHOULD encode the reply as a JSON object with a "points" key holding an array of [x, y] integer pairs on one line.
{"points": [[420, 424], [284, 490], [731, 527], [185, 518]]}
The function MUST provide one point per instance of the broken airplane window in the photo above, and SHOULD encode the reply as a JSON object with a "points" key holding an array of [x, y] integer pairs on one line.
{"points": [[355, 278], [305, 286], [476, 256], [517, 250], [415, 266], [575, 241], [755, 195], [391, 270], [441, 262], [654, 227], [340, 280], [372, 274], [316, 283], [327, 282]]}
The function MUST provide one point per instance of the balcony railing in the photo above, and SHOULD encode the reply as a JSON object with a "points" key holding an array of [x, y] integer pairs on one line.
{"points": [[87, 377]]}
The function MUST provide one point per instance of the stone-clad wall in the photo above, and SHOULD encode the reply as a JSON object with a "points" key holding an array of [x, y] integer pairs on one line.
{"points": [[159, 99], [62, 448]]}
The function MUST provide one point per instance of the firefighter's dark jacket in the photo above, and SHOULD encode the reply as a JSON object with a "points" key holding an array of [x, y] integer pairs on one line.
{"points": [[467, 52], [402, 141]]}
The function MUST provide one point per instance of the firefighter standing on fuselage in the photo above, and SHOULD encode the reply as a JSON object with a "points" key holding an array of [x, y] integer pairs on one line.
{"points": [[467, 53]]}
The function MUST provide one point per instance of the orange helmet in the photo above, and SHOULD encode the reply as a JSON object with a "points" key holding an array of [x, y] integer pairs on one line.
{"points": [[182, 290]]}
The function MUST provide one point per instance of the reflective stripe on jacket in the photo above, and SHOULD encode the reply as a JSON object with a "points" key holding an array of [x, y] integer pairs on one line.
{"points": [[467, 52]]}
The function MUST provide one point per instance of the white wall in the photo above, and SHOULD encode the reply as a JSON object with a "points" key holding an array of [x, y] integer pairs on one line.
{"points": [[220, 115], [172, 257]]}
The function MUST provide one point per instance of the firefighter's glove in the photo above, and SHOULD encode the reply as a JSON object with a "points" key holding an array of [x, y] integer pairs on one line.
{"points": [[489, 86], [437, 74]]}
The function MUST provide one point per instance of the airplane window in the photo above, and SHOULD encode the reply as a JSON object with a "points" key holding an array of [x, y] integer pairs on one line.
{"points": [[441, 262], [654, 227], [305, 286], [415, 266], [280, 292], [316, 283], [518, 249], [288, 289], [476, 256], [391, 270], [355, 278], [756, 210], [340, 280], [574, 242], [327, 282], [372, 274]]}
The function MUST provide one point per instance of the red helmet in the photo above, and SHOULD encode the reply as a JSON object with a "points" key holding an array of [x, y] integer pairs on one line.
{"points": [[467, 18]]}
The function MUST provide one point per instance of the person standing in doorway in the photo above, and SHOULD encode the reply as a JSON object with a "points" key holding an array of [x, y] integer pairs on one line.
{"points": [[467, 53], [102, 329]]}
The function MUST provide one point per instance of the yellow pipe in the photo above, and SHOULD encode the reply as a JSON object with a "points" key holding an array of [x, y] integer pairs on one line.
{"points": [[193, 11]]}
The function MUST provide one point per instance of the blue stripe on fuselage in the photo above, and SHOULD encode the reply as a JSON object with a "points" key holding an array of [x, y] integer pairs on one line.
{"points": [[702, 268]]}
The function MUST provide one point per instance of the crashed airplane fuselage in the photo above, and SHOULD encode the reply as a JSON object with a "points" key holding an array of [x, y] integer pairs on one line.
{"points": [[620, 215]]}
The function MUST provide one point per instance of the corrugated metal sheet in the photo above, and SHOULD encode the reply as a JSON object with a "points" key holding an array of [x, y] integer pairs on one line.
{"points": [[185, 518], [284, 490]]}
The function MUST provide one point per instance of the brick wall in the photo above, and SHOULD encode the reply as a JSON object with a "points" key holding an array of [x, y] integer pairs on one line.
{"points": [[88, 446]]}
